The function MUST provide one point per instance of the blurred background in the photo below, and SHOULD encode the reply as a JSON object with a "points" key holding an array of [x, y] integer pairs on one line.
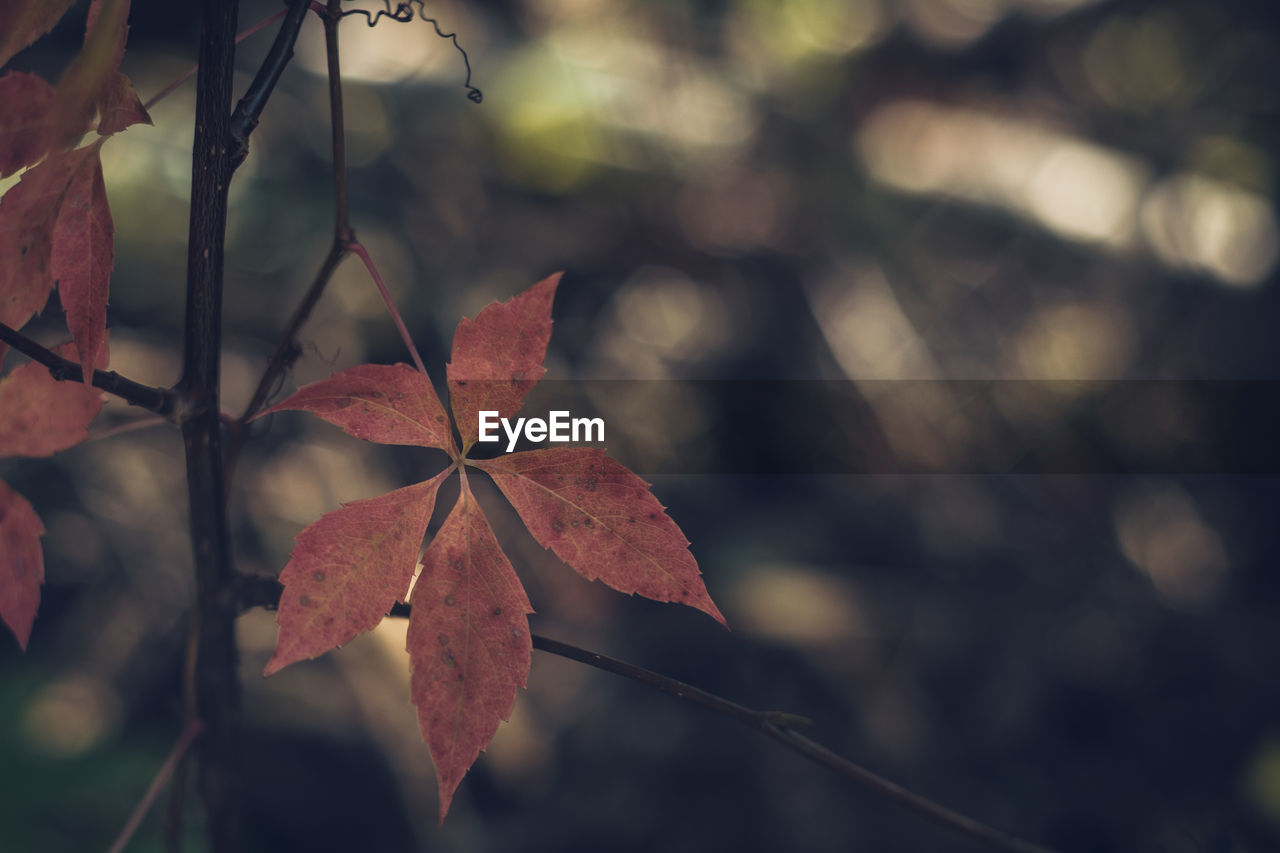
{"points": [[1008, 266]]}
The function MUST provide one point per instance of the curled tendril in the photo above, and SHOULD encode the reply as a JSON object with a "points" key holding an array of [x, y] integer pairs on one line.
{"points": [[403, 12]]}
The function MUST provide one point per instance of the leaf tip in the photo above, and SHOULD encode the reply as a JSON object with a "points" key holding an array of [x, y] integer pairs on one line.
{"points": [[21, 635], [274, 665]]}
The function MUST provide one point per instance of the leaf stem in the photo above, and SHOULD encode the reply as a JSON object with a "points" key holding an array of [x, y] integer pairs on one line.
{"points": [[188, 736], [162, 401], [359, 250]]}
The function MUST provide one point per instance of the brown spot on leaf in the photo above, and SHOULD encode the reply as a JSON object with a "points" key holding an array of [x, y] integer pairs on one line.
{"points": [[449, 600], [448, 659], [305, 601], [497, 611], [318, 576], [558, 525], [586, 522], [444, 639]]}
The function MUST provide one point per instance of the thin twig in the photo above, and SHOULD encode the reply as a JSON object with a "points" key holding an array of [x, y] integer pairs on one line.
{"points": [[359, 250], [188, 736], [178, 793], [282, 359], [256, 591], [782, 728], [144, 422], [286, 350], [249, 109], [159, 400], [190, 72]]}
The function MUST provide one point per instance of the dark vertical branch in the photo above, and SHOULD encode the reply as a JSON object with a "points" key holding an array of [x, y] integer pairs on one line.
{"points": [[217, 691]]}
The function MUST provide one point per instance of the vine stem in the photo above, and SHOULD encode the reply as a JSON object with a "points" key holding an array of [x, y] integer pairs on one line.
{"points": [[286, 349], [188, 736], [780, 725], [359, 250]]}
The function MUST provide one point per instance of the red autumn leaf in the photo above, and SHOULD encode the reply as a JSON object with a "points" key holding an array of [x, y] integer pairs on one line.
{"points": [[106, 29], [83, 254], [55, 224], [24, 21], [120, 107], [39, 415], [21, 563], [603, 521], [468, 642], [36, 118], [24, 120], [86, 82], [348, 568], [27, 214], [386, 403], [497, 357]]}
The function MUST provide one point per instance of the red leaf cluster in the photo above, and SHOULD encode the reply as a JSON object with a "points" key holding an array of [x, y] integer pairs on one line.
{"points": [[469, 644], [39, 416], [55, 230]]}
